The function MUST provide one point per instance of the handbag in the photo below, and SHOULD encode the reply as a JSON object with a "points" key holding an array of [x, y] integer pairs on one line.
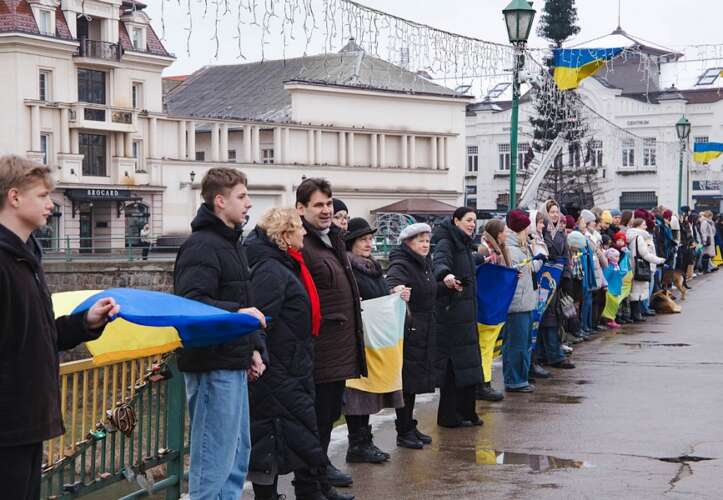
{"points": [[642, 267]]}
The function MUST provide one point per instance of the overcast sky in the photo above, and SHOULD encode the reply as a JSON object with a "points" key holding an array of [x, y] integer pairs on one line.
{"points": [[671, 23]]}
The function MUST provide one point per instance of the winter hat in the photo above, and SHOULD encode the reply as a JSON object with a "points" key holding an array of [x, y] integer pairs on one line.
{"points": [[570, 222], [668, 214], [576, 240], [612, 255], [339, 206], [358, 227], [616, 213], [606, 217], [684, 209], [620, 235], [640, 213], [413, 230], [587, 216], [518, 220]]}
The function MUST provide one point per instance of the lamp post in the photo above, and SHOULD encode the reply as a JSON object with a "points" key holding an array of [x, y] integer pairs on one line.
{"points": [[682, 128], [518, 19]]}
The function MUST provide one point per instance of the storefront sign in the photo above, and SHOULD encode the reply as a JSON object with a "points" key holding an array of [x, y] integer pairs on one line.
{"points": [[706, 186], [98, 194]]}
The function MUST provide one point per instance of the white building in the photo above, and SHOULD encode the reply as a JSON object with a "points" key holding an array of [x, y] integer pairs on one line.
{"points": [[81, 90], [646, 98]]}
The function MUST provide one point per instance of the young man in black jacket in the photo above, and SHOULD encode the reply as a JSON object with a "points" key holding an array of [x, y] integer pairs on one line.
{"points": [[211, 267], [30, 336]]}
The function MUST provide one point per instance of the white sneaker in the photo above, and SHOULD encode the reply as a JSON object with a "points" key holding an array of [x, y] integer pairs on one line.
{"points": [[566, 349]]}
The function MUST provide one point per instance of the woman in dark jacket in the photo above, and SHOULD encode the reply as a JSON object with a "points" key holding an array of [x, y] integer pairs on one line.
{"points": [[284, 434], [358, 404], [410, 267], [549, 333], [458, 364]]}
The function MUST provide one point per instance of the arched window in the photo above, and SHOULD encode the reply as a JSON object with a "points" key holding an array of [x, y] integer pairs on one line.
{"points": [[137, 216]]}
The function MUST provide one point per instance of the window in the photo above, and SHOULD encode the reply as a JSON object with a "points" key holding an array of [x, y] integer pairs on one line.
{"points": [[472, 158], [596, 153], [44, 85], [701, 139], [709, 76], [231, 155], [138, 155], [91, 86], [44, 22], [93, 149], [573, 155], [137, 95], [503, 151], [200, 156], [638, 199], [138, 39], [470, 189], [649, 152], [628, 153], [45, 147], [523, 153], [267, 155], [498, 90]]}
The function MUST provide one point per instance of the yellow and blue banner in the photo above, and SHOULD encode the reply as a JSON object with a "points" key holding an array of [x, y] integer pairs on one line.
{"points": [[571, 66], [620, 284], [153, 322], [383, 320], [495, 290], [548, 281], [705, 152]]}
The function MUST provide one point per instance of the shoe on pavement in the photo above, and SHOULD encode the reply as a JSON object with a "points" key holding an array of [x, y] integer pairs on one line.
{"points": [[424, 438], [536, 371], [565, 364], [409, 440], [485, 392], [338, 478], [333, 494], [613, 325], [527, 388], [566, 349]]}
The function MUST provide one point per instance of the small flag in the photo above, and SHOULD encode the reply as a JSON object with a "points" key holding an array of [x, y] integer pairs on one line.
{"points": [[548, 280], [705, 152], [154, 322], [620, 284], [574, 65]]}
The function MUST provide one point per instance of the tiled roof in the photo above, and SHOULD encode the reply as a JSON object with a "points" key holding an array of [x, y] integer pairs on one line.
{"points": [[256, 90], [693, 96], [16, 15], [153, 44]]}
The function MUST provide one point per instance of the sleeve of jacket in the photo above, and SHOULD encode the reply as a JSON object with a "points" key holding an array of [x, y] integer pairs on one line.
{"points": [[443, 260], [197, 275], [396, 276], [646, 254], [72, 330], [6, 330]]}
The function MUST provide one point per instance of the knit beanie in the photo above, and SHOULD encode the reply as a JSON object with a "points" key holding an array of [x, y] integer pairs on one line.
{"points": [[339, 205], [606, 217], [570, 222], [518, 220], [587, 216], [576, 240]]}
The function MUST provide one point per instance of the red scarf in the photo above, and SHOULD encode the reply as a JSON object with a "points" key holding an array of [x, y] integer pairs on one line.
{"points": [[308, 283]]}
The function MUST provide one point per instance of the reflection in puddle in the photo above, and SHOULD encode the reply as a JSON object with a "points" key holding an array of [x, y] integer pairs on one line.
{"points": [[537, 463], [651, 343], [557, 398]]}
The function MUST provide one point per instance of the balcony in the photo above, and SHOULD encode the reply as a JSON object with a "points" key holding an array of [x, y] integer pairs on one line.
{"points": [[101, 117], [96, 50]]}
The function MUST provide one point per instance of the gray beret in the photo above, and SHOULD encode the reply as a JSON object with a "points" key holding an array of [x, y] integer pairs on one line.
{"points": [[413, 230]]}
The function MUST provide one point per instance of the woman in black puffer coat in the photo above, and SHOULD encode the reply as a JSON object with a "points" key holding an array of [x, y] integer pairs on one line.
{"points": [[458, 364], [284, 433], [410, 266]]}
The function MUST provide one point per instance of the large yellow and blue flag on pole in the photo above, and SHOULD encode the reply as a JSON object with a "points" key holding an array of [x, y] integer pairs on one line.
{"points": [[705, 152], [153, 322], [495, 290], [571, 66]]}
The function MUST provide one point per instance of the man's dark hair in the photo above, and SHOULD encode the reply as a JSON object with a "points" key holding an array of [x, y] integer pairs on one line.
{"points": [[310, 186]]}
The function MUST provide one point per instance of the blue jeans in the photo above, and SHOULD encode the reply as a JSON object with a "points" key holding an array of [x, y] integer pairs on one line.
{"points": [[586, 311], [551, 343], [218, 406], [516, 349]]}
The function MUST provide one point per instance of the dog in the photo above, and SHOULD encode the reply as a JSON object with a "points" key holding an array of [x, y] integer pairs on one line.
{"points": [[674, 277], [664, 303]]}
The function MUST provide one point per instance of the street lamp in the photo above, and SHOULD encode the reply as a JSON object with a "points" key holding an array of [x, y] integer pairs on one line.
{"points": [[682, 128], [518, 19]]}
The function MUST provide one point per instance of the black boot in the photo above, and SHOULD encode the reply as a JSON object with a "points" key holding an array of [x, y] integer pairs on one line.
{"points": [[360, 448], [485, 392], [330, 493], [636, 312], [406, 437], [424, 438], [370, 442], [337, 478]]}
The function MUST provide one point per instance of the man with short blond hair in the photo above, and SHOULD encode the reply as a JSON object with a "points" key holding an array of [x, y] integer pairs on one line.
{"points": [[30, 336]]}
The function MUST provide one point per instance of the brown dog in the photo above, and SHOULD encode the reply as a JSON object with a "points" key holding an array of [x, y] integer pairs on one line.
{"points": [[673, 277], [664, 303]]}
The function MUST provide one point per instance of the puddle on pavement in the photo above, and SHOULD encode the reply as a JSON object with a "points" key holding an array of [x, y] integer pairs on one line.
{"points": [[651, 343], [567, 381], [562, 399], [536, 463], [684, 459]]}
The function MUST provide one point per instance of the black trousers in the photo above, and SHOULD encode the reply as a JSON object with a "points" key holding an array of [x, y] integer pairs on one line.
{"points": [[356, 423], [20, 468], [455, 403], [405, 415]]}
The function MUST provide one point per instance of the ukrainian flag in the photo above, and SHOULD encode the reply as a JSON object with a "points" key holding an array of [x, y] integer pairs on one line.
{"points": [[574, 65], [495, 290], [705, 152], [152, 323]]}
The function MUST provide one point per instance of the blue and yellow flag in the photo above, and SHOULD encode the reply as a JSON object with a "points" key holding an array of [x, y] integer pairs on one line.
{"points": [[548, 281], [153, 322], [495, 290], [705, 152], [574, 65]]}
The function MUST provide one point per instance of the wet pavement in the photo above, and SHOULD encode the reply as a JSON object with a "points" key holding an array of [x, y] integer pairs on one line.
{"points": [[641, 417]]}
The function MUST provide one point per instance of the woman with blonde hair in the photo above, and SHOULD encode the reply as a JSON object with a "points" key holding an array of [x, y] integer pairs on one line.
{"points": [[284, 434]]}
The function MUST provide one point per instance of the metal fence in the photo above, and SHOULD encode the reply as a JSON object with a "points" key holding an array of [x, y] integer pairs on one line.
{"points": [[105, 248]]}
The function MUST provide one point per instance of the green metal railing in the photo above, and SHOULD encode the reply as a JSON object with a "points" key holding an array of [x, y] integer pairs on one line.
{"points": [[112, 449], [104, 248]]}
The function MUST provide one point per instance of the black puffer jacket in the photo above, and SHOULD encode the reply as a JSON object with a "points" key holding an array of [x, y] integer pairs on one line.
{"points": [[414, 271], [457, 338], [339, 348], [30, 338], [211, 267], [558, 249], [369, 277], [284, 435]]}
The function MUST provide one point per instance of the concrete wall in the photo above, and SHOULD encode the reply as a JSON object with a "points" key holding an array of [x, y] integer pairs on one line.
{"points": [[64, 276]]}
